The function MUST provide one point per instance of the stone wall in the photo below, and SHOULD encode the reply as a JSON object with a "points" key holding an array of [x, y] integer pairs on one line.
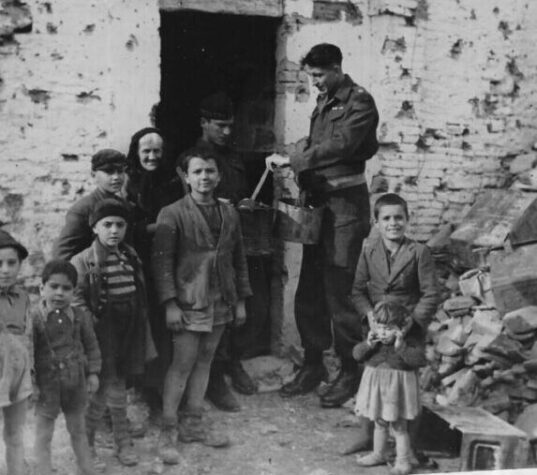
{"points": [[78, 77]]}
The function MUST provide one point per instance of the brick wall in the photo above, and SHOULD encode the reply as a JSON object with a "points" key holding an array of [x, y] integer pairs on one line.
{"points": [[453, 83]]}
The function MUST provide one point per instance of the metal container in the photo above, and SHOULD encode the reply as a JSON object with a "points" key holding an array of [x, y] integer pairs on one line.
{"points": [[257, 230], [298, 223]]}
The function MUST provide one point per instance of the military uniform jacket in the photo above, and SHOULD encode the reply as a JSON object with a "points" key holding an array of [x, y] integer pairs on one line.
{"points": [[342, 137]]}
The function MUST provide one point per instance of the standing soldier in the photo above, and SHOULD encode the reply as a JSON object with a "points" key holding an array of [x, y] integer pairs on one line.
{"points": [[331, 171]]}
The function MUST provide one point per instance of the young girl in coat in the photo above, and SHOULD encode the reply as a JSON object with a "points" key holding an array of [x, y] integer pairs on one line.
{"points": [[15, 351], [200, 272], [389, 389]]}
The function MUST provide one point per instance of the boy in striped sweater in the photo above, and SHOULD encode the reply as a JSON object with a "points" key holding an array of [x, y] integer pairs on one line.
{"points": [[111, 286]]}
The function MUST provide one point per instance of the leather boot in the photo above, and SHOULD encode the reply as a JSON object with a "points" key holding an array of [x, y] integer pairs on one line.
{"points": [[306, 380], [218, 391], [240, 379], [194, 427], [167, 448], [342, 389], [98, 463], [126, 453]]}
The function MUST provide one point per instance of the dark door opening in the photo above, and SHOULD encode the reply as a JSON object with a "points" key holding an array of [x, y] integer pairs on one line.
{"points": [[204, 53]]}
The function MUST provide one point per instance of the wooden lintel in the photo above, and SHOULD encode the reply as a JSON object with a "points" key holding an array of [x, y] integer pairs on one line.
{"points": [[271, 8]]}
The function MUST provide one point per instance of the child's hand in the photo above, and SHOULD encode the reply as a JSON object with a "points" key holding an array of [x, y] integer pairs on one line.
{"points": [[399, 339], [372, 338], [240, 314], [174, 316], [92, 383]]}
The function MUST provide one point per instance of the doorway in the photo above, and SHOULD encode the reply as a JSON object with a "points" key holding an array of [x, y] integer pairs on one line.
{"points": [[203, 53]]}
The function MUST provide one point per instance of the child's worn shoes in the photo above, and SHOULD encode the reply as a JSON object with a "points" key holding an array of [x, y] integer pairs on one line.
{"points": [[401, 467], [370, 460], [167, 449]]}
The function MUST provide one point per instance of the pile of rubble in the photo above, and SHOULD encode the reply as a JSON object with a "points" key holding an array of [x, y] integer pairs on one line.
{"points": [[483, 340], [479, 358]]}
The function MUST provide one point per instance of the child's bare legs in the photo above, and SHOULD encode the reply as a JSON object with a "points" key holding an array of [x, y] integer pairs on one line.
{"points": [[76, 427], [14, 420], [402, 464], [192, 356], [192, 426], [199, 378], [380, 440], [44, 430], [185, 351]]}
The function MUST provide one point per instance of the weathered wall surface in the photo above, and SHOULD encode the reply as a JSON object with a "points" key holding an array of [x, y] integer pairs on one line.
{"points": [[454, 85], [85, 77], [453, 81]]}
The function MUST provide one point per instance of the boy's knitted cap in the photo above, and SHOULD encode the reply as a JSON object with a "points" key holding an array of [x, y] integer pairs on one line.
{"points": [[7, 240], [107, 157], [108, 207], [217, 106]]}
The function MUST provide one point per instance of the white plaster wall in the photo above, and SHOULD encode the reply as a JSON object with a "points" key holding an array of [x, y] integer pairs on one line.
{"points": [[85, 78]]}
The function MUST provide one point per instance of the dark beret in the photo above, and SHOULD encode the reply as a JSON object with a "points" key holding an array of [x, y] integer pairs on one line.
{"points": [[217, 106], [108, 207]]}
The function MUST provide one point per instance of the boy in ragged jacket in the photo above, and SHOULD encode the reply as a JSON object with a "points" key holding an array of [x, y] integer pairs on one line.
{"points": [[201, 277]]}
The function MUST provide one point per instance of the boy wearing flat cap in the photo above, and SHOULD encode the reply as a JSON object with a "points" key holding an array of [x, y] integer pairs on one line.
{"points": [[108, 172], [111, 286]]}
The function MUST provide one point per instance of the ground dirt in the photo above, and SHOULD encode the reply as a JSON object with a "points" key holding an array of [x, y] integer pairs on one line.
{"points": [[270, 436]]}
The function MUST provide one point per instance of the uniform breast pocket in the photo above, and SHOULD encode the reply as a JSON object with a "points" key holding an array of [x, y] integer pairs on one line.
{"points": [[335, 118]]}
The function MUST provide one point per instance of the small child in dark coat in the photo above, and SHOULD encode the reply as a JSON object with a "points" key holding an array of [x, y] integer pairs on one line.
{"points": [[67, 362]]}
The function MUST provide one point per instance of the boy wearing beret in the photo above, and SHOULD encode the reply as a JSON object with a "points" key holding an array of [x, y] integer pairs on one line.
{"points": [[108, 172], [111, 286]]}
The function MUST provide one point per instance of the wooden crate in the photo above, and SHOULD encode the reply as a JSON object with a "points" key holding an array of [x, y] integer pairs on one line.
{"points": [[513, 277], [481, 440], [488, 224]]}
